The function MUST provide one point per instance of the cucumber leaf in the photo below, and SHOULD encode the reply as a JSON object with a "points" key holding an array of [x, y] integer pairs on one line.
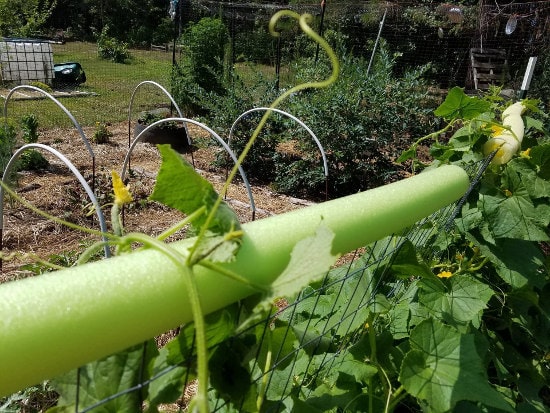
{"points": [[462, 302], [179, 186], [96, 382], [458, 105], [444, 367], [310, 260]]}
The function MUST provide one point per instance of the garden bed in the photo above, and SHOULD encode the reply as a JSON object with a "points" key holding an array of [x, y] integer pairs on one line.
{"points": [[58, 192]]}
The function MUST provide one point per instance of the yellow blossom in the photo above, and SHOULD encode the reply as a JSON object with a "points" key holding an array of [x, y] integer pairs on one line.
{"points": [[507, 193], [526, 153], [122, 192], [496, 130], [445, 274]]}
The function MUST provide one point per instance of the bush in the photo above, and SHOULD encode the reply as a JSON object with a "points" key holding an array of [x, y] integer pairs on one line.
{"points": [[363, 122], [31, 159], [110, 48], [101, 134], [29, 124], [256, 91], [201, 68]]}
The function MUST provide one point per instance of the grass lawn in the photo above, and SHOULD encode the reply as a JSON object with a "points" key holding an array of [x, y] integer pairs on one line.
{"points": [[112, 84]]}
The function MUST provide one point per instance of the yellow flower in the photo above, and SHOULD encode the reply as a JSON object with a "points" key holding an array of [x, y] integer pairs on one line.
{"points": [[507, 193], [122, 192], [526, 153], [496, 130], [445, 274]]}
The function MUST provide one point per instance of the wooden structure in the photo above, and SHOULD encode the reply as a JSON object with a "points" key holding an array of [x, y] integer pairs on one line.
{"points": [[488, 66]]}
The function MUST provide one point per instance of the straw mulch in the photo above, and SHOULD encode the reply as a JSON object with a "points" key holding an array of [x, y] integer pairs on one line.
{"points": [[57, 191]]}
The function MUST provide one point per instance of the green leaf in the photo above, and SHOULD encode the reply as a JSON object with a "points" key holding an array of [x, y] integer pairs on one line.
{"points": [[217, 248], [462, 302], [515, 216], [227, 375], [517, 262], [536, 185], [407, 263], [458, 105], [310, 260], [167, 387], [179, 186], [532, 123], [406, 155], [103, 378], [218, 325], [540, 156], [443, 367]]}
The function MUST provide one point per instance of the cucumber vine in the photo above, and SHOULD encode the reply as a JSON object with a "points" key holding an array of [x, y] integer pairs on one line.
{"points": [[218, 230]]}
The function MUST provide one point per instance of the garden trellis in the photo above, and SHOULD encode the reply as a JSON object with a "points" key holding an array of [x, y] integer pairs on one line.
{"points": [[143, 315]]}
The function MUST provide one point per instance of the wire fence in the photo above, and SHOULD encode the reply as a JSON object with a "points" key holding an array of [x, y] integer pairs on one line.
{"points": [[300, 345], [418, 34]]}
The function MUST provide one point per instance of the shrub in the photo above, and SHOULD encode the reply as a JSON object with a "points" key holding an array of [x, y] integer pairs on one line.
{"points": [[29, 124], [363, 122], [201, 68], [101, 133], [31, 159], [110, 48], [243, 95]]}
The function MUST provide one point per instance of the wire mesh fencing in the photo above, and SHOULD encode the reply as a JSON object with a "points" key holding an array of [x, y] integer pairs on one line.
{"points": [[277, 362]]}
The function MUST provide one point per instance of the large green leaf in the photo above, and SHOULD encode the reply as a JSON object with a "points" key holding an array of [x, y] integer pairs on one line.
{"points": [[310, 260], [458, 105], [517, 262], [444, 367], [515, 216], [530, 174], [98, 381], [179, 186], [462, 302], [167, 387]]}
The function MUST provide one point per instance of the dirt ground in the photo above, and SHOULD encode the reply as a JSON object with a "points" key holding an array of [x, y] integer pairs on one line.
{"points": [[56, 190]]}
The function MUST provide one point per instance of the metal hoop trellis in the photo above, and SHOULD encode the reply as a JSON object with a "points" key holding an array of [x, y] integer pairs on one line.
{"points": [[173, 103], [294, 118], [76, 173], [66, 111]]}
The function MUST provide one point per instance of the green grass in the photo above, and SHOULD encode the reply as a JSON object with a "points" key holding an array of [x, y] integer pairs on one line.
{"points": [[113, 84]]}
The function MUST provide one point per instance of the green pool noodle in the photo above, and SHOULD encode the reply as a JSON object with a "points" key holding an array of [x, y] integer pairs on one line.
{"points": [[55, 322]]}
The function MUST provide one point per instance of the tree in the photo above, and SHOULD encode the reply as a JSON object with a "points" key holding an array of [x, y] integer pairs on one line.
{"points": [[25, 18]]}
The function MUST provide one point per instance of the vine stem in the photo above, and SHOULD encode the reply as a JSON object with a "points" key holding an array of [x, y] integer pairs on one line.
{"points": [[180, 260]]}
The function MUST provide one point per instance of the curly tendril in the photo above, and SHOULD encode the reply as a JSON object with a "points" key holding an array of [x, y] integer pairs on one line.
{"points": [[303, 21]]}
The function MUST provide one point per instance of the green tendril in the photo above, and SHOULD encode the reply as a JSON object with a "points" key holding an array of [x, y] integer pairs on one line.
{"points": [[304, 25]]}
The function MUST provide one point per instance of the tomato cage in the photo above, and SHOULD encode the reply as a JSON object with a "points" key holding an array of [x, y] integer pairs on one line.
{"points": [[311, 351]]}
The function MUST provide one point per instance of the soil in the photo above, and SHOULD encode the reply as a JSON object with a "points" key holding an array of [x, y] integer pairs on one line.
{"points": [[27, 236]]}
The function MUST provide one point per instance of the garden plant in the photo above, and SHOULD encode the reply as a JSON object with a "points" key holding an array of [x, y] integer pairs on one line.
{"points": [[456, 319]]}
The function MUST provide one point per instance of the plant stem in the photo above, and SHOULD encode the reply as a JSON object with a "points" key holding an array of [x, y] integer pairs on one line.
{"points": [[175, 228], [180, 260]]}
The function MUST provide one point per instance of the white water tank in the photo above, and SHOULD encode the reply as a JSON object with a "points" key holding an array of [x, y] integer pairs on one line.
{"points": [[26, 60]]}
